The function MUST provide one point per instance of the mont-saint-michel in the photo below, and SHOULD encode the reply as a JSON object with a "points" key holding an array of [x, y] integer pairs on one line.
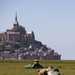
{"points": [[19, 44]]}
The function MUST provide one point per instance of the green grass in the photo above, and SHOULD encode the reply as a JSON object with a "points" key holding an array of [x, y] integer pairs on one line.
{"points": [[16, 67]]}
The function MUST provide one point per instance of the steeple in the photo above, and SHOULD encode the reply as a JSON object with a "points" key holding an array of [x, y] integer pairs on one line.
{"points": [[16, 17], [16, 22]]}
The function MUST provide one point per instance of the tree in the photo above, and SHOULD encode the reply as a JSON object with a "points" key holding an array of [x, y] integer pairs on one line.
{"points": [[2, 47], [44, 48], [16, 45], [6, 43]]}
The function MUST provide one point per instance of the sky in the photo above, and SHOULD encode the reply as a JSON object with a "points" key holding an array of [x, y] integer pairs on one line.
{"points": [[52, 21]]}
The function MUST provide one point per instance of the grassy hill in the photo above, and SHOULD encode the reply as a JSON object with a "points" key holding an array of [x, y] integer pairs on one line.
{"points": [[16, 67]]}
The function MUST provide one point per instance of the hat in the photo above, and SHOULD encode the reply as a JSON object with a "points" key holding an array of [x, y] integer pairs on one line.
{"points": [[36, 60]]}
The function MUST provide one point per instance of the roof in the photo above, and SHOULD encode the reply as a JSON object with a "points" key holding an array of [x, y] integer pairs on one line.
{"points": [[13, 32], [29, 32]]}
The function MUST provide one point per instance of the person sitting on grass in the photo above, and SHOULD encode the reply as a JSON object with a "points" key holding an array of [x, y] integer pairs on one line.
{"points": [[36, 64]]}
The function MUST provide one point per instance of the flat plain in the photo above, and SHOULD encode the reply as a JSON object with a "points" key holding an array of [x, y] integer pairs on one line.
{"points": [[16, 67]]}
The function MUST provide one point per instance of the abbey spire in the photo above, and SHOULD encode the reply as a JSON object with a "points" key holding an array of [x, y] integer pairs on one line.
{"points": [[16, 17], [16, 22]]}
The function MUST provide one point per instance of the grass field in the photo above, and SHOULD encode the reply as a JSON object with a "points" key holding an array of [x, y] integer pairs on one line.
{"points": [[15, 67]]}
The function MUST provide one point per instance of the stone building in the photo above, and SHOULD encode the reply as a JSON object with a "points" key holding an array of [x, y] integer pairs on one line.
{"points": [[16, 34], [29, 47]]}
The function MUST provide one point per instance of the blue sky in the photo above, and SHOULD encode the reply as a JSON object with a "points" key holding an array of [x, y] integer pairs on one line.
{"points": [[53, 22]]}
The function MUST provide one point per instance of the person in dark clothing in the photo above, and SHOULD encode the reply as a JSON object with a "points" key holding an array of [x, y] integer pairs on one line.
{"points": [[36, 64]]}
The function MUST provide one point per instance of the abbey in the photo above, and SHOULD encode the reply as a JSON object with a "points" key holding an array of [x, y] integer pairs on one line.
{"points": [[18, 44], [16, 34]]}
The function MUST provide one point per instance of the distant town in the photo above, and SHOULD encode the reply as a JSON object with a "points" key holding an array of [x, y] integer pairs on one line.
{"points": [[19, 44]]}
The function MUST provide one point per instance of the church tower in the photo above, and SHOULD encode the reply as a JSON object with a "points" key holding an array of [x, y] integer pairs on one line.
{"points": [[16, 22], [17, 27]]}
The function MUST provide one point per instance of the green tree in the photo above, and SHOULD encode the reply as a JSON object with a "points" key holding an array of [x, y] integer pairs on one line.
{"points": [[6, 43], [44, 48], [16, 46], [2, 47]]}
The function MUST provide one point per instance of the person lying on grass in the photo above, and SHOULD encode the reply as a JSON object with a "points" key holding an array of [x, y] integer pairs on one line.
{"points": [[49, 71]]}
